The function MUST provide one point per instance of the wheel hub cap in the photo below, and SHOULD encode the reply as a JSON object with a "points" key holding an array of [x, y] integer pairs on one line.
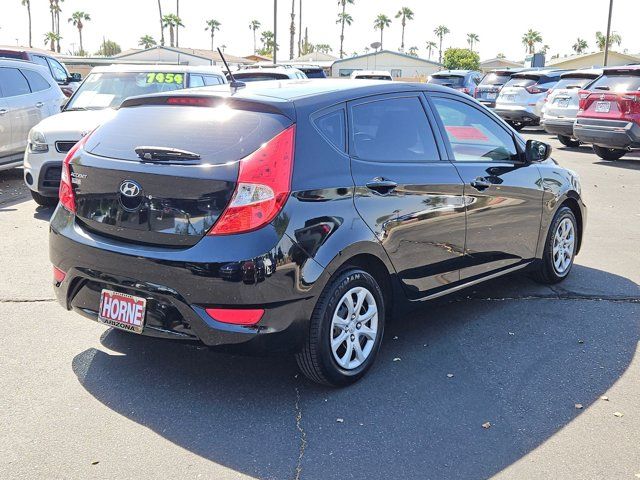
{"points": [[563, 246]]}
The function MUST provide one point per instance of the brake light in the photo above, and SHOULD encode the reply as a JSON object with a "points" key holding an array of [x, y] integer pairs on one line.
{"points": [[583, 95], [65, 193], [58, 275], [236, 316], [263, 187], [189, 101], [632, 101]]}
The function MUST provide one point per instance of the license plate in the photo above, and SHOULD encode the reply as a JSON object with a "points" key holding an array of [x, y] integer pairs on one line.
{"points": [[509, 98], [562, 102], [492, 96], [603, 107], [122, 311]]}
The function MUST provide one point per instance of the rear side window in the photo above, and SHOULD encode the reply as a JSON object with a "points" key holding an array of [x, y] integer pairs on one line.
{"points": [[217, 134], [332, 127], [36, 81], [13, 82], [617, 83], [473, 135], [393, 130]]}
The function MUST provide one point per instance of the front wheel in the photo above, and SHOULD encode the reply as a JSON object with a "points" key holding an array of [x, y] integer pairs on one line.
{"points": [[560, 248], [609, 153], [568, 141], [346, 330]]}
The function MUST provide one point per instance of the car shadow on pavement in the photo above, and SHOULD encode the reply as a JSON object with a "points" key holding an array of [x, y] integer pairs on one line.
{"points": [[43, 213], [511, 353]]}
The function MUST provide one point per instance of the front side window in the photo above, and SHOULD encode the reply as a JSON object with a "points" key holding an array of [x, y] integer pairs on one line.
{"points": [[40, 60], [332, 127], [58, 71], [393, 130], [13, 82], [196, 81], [473, 135], [36, 81]]}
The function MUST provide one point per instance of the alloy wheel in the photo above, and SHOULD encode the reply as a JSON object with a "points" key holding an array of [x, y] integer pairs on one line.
{"points": [[563, 246]]}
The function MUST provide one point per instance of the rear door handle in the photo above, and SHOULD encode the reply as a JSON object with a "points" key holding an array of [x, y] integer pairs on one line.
{"points": [[39, 104], [382, 185], [480, 183]]}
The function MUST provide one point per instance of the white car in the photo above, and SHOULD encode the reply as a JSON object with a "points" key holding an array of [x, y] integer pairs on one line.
{"points": [[371, 75], [522, 98], [95, 101], [28, 94], [563, 102]]}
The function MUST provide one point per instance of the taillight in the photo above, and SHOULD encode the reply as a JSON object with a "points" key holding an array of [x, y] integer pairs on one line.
{"points": [[582, 99], [236, 316], [58, 275], [264, 184], [632, 101], [190, 101], [65, 193]]}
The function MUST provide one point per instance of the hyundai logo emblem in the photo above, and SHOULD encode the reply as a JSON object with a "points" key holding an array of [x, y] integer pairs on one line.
{"points": [[130, 189]]}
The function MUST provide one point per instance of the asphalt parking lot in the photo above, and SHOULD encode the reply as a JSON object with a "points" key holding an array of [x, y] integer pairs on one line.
{"points": [[553, 371]]}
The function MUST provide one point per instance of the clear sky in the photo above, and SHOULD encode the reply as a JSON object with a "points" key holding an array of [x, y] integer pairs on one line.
{"points": [[499, 23]]}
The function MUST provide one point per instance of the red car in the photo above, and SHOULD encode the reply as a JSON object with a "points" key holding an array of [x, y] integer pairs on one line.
{"points": [[609, 114]]}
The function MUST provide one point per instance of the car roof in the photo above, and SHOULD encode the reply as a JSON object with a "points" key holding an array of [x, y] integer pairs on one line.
{"points": [[453, 72], [17, 63], [210, 69]]}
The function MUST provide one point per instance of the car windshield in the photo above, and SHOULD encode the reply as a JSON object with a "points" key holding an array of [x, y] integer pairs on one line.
{"points": [[108, 90], [448, 80], [617, 83], [575, 82], [314, 73], [495, 79], [260, 77]]}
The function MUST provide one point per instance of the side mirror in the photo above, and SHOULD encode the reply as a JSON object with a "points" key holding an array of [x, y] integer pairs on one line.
{"points": [[536, 151], [75, 77]]}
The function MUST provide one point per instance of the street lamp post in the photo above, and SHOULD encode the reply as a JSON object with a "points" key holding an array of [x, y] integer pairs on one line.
{"points": [[607, 40]]}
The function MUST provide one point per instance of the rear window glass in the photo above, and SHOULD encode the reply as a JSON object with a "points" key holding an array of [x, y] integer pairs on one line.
{"points": [[575, 82], [315, 73], [332, 127], [495, 79], [520, 82], [218, 135], [36, 81], [617, 83], [11, 55], [104, 90], [393, 130], [260, 77], [448, 81], [373, 77]]}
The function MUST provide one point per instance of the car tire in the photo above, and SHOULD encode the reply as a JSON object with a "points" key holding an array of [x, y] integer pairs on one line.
{"points": [[44, 201], [330, 355], [559, 250], [568, 141], [609, 153], [517, 126]]}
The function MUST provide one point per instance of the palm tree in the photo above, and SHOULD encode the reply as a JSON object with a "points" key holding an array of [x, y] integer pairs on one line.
{"points": [[147, 41], [292, 29], [430, 46], [601, 40], [51, 38], [441, 31], [323, 48], [471, 39], [161, 23], [405, 13], [172, 21], [530, 39], [78, 19], [177, 29], [344, 18], [268, 42], [254, 26], [381, 22], [580, 46], [213, 26], [27, 3], [57, 11], [413, 51]]}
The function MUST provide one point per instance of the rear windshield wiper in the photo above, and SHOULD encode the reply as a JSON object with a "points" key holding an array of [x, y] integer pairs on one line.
{"points": [[603, 87], [164, 154]]}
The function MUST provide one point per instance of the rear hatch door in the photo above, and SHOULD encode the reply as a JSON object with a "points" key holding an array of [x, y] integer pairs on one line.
{"points": [[162, 174], [615, 95]]}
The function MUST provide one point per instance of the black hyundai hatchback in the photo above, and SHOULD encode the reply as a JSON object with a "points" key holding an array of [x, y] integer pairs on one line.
{"points": [[298, 216]]}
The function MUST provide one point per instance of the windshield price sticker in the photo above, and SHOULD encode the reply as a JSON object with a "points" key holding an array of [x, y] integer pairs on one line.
{"points": [[160, 77]]}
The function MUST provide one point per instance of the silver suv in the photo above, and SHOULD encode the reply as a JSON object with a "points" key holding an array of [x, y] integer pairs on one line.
{"points": [[522, 98], [28, 94], [563, 102]]}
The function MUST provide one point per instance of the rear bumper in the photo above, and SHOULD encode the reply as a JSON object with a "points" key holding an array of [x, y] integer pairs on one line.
{"points": [[180, 284], [607, 133], [558, 126], [517, 114]]}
